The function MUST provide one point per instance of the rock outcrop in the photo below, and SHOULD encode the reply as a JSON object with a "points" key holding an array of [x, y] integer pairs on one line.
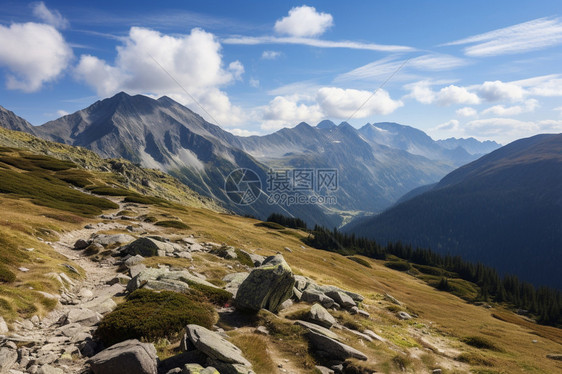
{"points": [[130, 356]]}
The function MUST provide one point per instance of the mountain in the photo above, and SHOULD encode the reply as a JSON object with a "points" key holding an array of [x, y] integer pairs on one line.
{"points": [[13, 122], [371, 175], [414, 141], [471, 145], [163, 134], [504, 209]]}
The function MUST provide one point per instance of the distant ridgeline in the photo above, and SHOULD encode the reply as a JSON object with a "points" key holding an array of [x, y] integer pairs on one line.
{"points": [[473, 282]]}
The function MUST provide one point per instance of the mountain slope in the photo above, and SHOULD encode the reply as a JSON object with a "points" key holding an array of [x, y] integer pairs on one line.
{"points": [[11, 121], [505, 209], [471, 145]]}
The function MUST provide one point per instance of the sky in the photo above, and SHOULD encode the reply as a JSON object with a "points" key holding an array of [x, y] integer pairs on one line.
{"points": [[483, 69]]}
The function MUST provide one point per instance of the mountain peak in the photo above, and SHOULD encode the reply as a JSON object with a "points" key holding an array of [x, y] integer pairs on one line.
{"points": [[326, 124]]}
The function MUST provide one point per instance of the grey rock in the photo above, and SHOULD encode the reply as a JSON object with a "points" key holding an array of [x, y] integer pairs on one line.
{"points": [[48, 369], [81, 244], [215, 346], [166, 285], [136, 269], [227, 367], [297, 295], [403, 315], [391, 298], [3, 326], [101, 305], [192, 369], [316, 296], [133, 260], [286, 304], [256, 259], [436, 371], [327, 288], [317, 328], [374, 336], [83, 316], [267, 286], [342, 299], [130, 356], [324, 370], [354, 310], [8, 358], [119, 279], [554, 356], [333, 349], [144, 276], [363, 313], [111, 240], [319, 315], [147, 247], [359, 334], [262, 330], [183, 254], [302, 282]]}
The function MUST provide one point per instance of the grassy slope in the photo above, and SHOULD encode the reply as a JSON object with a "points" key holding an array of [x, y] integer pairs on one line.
{"points": [[442, 314]]}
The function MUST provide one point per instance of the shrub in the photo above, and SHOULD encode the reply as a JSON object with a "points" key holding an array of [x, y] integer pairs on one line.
{"points": [[76, 177], [360, 261], [109, 191], [270, 225], [6, 275], [474, 359], [173, 224], [142, 199], [214, 295], [480, 342], [151, 315], [398, 265]]}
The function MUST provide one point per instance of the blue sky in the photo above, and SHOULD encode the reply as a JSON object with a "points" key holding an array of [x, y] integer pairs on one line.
{"points": [[487, 69]]}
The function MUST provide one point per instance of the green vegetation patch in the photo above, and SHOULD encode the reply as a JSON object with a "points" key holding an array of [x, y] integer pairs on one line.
{"points": [[360, 261], [480, 342], [214, 295], [244, 258], [398, 265], [6, 275], [151, 315], [76, 177], [52, 193], [173, 224], [270, 225]]}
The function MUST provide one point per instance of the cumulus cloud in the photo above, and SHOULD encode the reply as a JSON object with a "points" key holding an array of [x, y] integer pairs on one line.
{"points": [[528, 36], [289, 111], [149, 62], [51, 17], [344, 103], [254, 83], [466, 112], [498, 90], [500, 110], [304, 21], [34, 54], [270, 55], [422, 92], [62, 113]]}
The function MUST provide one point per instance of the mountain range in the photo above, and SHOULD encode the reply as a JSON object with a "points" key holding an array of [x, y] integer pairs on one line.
{"points": [[375, 165], [504, 209]]}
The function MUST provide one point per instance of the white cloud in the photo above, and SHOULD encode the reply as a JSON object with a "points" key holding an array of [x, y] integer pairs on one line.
{"points": [[62, 113], [270, 55], [500, 110], [456, 95], [149, 62], [451, 125], [312, 42], [528, 36], [304, 21], [33, 53], [254, 83], [287, 112], [50, 17], [498, 90], [558, 109], [344, 103], [243, 132], [466, 112], [421, 91], [546, 85]]}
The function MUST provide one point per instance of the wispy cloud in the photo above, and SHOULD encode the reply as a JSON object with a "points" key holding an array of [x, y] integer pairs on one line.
{"points": [[528, 36], [270, 55], [255, 40], [386, 66]]}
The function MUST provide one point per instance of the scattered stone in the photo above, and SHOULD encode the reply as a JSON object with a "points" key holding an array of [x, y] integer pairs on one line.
{"points": [[363, 313], [147, 247], [267, 286], [374, 336], [133, 260], [359, 334], [324, 370], [80, 244], [3, 326], [48, 369], [256, 259], [316, 296], [390, 298], [403, 315], [119, 279], [136, 270], [112, 240], [554, 356], [333, 349], [8, 358], [130, 356], [215, 346], [83, 316], [321, 316], [286, 304], [234, 280], [262, 330], [341, 298], [436, 371], [183, 254], [85, 293], [317, 328], [288, 249], [23, 269], [71, 268], [101, 305]]}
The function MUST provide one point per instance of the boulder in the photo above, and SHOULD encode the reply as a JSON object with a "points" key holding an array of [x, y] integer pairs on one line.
{"points": [[267, 286], [374, 336], [147, 247], [3, 326], [256, 259], [119, 279], [48, 369], [317, 328], [80, 244], [234, 280], [554, 356], [228, 367], [327, 288], [403, 315], [144, 276], [214, 345], [341, 298], [330, 348], [112, 240], [323, 370], [8, 358], [82, 316], [133, 260], [136, 269], [320, 316], [130, 356], [316, 296]]}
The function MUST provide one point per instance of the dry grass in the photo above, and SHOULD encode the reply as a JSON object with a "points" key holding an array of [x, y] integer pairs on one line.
{"points": [[255, 348]]}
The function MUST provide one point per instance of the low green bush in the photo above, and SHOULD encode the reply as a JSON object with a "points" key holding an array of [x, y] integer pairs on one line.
{"points": [[360, 261], [143, 199], [6, 275], [398, 265], [151, 315], [172, 224], [214, 295], [480, 342], [244, 258], [270, 225], [110, 191]]}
